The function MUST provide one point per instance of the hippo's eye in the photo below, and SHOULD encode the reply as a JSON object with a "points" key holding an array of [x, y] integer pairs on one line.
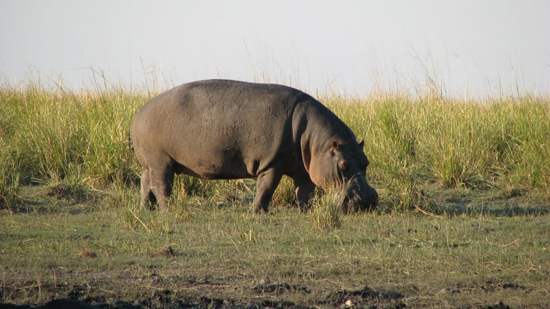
{"points": [[342, 165]]}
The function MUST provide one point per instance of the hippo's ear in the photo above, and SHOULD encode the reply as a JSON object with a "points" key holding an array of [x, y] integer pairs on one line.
{"points": [[335, 146], [362, 143]]}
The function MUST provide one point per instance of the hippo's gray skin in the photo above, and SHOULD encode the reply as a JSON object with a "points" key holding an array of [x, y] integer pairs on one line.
{"points": [[222, 129]]}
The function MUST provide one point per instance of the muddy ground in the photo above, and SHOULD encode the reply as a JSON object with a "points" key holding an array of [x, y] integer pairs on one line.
{"points": [[103, 290]]}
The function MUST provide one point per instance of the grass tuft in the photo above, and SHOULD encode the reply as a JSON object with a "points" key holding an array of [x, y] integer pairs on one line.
{"points": [[327, 209]]}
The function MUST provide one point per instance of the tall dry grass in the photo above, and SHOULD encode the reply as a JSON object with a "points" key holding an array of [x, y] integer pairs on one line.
{"points": [[81, 139], [499, 143]]}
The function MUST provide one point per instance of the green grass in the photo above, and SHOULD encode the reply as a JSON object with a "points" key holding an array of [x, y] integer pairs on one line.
{"points": [[463, 218], [490, 254]]}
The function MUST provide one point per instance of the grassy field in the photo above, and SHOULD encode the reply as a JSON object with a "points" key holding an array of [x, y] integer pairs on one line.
{"points": [[463, 219]]}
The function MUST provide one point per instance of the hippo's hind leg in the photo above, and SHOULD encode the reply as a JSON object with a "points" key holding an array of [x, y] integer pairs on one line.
{"points": [[156, 181], [265, 186], [305, 190], [162, 178], [148, 199]]}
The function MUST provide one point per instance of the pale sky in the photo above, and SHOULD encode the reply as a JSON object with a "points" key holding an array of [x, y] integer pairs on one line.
{"points": [[471, 48]]}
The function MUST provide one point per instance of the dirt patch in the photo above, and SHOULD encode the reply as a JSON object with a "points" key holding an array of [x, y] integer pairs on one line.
{"points": [[279, 288], [365, 297], [167, 251], [70, 193], [86, 254], [500, 305]]}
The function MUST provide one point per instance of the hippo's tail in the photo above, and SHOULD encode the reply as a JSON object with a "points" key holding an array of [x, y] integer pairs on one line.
{"points": [[130, 143]]}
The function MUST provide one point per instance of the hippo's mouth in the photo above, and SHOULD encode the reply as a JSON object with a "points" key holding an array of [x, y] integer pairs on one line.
{"points": [[355, 203], [360, 196]]}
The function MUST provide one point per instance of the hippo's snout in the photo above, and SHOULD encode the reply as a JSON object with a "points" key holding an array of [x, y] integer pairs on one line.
{"points": [[360, 195], [371, 199]]}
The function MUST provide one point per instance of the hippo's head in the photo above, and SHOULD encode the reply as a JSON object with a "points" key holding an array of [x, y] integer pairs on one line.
{"points": [[344, 165]]}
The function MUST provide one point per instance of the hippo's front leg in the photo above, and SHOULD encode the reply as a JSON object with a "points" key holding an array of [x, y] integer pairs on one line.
{"points": [[305, 189], [265, 186]]}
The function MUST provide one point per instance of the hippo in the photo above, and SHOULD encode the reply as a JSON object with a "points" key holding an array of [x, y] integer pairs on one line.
{"points": [[224, 129]]}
